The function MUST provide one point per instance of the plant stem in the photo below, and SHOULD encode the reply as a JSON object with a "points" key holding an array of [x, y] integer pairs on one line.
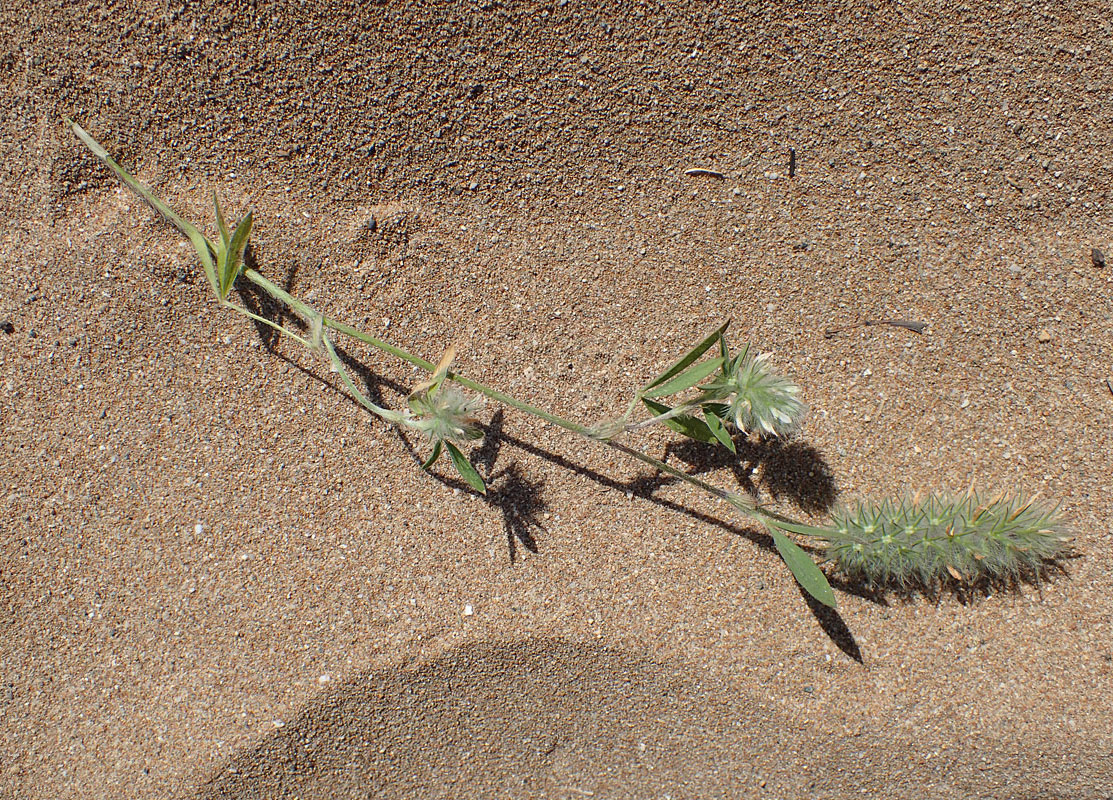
{"points": [[307, 312]]}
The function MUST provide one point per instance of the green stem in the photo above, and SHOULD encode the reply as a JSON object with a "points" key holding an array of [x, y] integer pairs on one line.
{"points": [[799, 564], [679, 411], [307, 312]]}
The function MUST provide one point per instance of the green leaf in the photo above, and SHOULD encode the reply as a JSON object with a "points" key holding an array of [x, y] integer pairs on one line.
{"points": [[235, 251], [719, 431], [221, 250], [685, 380], [221, 225], [466, 470], [689, 357], [807, 574], [689, 426], [203, 246], [434, 456], [239, 238]]}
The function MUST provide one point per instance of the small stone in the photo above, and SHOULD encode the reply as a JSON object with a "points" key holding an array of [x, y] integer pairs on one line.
{"points": [[468, 610], [1043, 335], [8, 328], [1098, 258]]}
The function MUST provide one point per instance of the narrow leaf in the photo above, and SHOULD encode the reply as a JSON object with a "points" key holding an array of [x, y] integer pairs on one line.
{"points": [[466, 470], [719, 431], [203, 246], [439, 373], [235, 251], [221, 225], [239, 238], [689, 357], [807, 574], [686, 380], [222, 249], [689, 426], [434, 456], [222, 268]]}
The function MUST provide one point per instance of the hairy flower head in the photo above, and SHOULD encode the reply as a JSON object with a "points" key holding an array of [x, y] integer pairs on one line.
{"points": [[925, 542], [754, 397], [447, 413], [441, 411]]}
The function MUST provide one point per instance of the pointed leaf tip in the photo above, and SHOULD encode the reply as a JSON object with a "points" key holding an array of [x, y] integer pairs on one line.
{"points": [[466, 470], [807, 574], [685, 380], [433, 456], [688, 358]]}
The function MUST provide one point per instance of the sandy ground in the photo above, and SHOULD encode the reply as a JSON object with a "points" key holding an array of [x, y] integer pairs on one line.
{"points": [[221, 579]]}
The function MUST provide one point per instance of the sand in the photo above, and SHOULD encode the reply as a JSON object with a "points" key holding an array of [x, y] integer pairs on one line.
{"points": [[222, 578]]}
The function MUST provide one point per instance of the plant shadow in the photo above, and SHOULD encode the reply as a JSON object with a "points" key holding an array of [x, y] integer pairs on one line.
{"points": [[518, 499], [262, 304], [964, 592], [788, 470], [791, 471]]}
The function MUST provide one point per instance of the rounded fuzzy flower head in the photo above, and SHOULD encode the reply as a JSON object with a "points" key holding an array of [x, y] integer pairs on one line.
{"points": [[447, 414], [442, 411], [755, 398]]}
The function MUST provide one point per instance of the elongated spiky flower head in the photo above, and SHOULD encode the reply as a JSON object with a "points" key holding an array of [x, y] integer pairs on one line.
{"points": [[927, 542]]}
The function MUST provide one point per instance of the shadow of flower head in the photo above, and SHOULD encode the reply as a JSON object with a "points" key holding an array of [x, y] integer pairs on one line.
{"points": [[519, 500], [791, 470]]}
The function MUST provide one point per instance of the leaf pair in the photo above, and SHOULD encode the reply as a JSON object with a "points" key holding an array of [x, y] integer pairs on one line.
{"points": [[681, 376], [228, 251], [471, 477]]}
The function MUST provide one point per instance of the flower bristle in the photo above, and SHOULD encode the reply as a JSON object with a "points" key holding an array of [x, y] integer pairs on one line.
{"points": [[756, 399], [929, 541]]}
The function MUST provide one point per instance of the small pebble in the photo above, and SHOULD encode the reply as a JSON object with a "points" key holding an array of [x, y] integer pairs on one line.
{"points": [[1044, 335], [7, 327], [468, 610], [1098, 258]]}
